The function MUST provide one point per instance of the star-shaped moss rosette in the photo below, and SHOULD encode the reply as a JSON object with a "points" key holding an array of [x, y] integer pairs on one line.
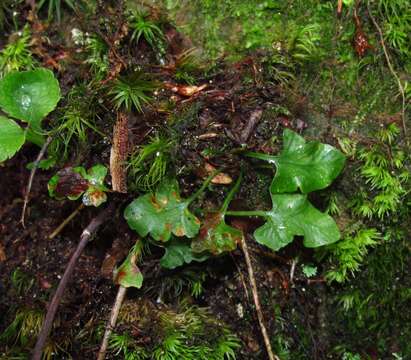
{"points": [[301, 165], [72, 183], [164, 212]]}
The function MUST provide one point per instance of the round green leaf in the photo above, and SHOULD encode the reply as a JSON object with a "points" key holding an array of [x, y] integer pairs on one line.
{"points": [[29, 95], [11, 138], [162, 214]]}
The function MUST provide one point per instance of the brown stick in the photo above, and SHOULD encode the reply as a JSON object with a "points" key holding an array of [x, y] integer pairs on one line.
{"points": [[32, 173], [52, 308], [65, 222], [121, 293], [256, 299], [391, 68], [119, 153]]}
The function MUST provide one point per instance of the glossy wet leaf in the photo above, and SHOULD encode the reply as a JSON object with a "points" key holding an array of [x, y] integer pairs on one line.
{"points": [[12, 138], [128, 274], [292, 215], [162, 214], [29, 95], [95, 194], [216, 236], [178, 252], [303, 166], [69, 183]]}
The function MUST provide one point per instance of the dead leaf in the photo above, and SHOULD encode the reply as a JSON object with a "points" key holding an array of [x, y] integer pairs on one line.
{"points": [[220, 178]]}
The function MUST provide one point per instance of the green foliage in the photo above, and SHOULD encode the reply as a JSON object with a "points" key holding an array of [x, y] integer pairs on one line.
{"points": [[142, 27], [293, 215], [384, 170], [348, 254], [76, 123], [179, 252], [24, 328], [192, 333], [131, 91], [162, 214], [16, 56], [72, 183], [309, 270], [27, 96], [97, 55], [300, 164], [54, 7], [128, 274], [147, 165], [12, 138]]}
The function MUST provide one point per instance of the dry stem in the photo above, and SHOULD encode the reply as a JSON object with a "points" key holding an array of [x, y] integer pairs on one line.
{"points": [[121, 293], [256, 299], [32, 173], [65, 222], [52, 309]]}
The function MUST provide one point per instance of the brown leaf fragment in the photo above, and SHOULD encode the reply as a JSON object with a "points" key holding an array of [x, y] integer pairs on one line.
{"points": [[185, 90], [119, 153], [2, 253], [220, 178], [70, 183]]}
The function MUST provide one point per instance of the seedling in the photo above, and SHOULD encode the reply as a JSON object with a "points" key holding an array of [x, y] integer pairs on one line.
{"points": [[72, 183], [28, 96]]}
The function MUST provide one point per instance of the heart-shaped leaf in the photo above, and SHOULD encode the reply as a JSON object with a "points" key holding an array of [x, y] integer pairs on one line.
{"points": [[291, 215], [11, 138], [128, 274], [178, 252], [162, 214], [29, 95], [306, 166], [216, 236]]}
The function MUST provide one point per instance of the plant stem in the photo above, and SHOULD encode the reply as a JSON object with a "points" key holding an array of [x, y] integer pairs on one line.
{"points": [[261, 156], [247, 213], [55, 301], [203, 187], [30, 182], [121, 293], [65, 222], [256, 299], [231, 194]]}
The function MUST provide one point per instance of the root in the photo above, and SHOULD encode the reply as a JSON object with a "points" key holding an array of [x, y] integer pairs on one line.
{"points": [[65, 222], [32, 173], [121, 293], [52, 309], [391, 68], [256, 299]]}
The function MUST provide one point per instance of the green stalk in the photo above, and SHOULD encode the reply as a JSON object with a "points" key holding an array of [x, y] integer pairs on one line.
{"points": [[261, 156], [247, 213], [203, 187], [231, 194]]}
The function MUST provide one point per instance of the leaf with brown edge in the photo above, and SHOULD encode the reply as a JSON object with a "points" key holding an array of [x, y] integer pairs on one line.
{"points": [[162, 214], [67, 183], [216, 236], [128, 274]]}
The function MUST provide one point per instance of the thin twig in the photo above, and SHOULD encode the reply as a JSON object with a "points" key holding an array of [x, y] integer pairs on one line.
{"points": [[391, 68], [256, 299], [121, 293], [65, 222], [52, 308], [32, 173]]}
